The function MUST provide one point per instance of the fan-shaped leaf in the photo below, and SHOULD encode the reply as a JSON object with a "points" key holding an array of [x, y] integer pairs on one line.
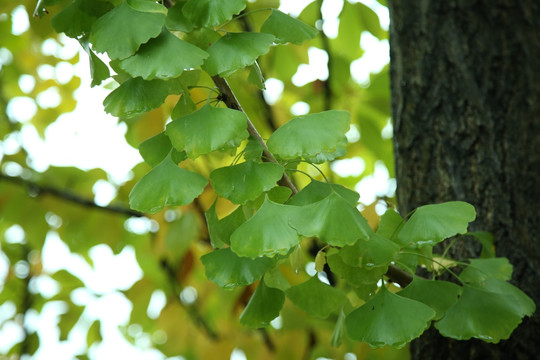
{"points": [[316, 298], [166, 184], [377, 251], [153, 59], [209, 13], [246, 181], [77, 19], [235, 51], [439, 295], [122, 30], [316, 191], [98, 69], [228, 270], [481, 269], [208, 129], [487, 315], [354, 275], [287, 29], [267, 233], [389, 224], [309, 135], [388, 319], [176, 20], [136, 96], [155, 149], [263, 307], [333, 220], [431, 224], [220, 231]]}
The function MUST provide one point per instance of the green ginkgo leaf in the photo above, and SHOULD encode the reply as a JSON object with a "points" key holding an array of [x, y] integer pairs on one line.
{"points": [[176, 20], [310, 135], [136, 96], [431, 224], [155, 149], [317, 190], [482, 314], [287, 29], [208, 129], [122, 30], [78, 18], [153, 59], [263, 307], [220, 230], [388, 319], [228, 270], [267, 233], [235, 51], [377, 251], [98, 70], [246, 181], [333, 220], [210, 13], [166, 185], [522, 303], [389, 224], [481, 269], [439, 295], [316, 298], [354, 275]]}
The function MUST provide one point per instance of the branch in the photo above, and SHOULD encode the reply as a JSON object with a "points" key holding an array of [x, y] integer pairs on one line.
{"points": [[230, 100], [35, 189]]}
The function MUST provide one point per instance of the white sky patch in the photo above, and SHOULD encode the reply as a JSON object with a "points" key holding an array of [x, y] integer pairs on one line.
{"points": [[376, 184], [20, 22], [354, 166], [21, 109], [316, 69], [300, 108], [376, 56], [274, 90], [330, 11], [293, 7]]}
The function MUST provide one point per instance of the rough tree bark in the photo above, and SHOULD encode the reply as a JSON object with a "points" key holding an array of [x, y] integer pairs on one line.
{"points": [[465, 78]]}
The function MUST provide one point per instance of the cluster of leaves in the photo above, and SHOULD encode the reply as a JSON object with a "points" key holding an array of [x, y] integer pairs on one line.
{"points": [[259, 226]]}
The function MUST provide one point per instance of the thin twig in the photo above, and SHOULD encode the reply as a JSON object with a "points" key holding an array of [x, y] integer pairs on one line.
{"points": [[232, 102], [36, 189]]}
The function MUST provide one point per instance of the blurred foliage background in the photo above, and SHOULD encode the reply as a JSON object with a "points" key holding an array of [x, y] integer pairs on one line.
{"points": [[82, 276]]}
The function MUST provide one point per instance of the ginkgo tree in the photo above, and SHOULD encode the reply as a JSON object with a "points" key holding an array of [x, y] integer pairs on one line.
{"points": [[268, 196]]}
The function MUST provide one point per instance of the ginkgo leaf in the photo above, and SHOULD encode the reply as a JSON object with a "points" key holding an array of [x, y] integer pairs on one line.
{"points": [[377, 251], [210, 13], [263, 307], [136, 96], [317, 190], [256, 77], [153, 59], [522, 303], [274, 278], [431, 224], [439, 295], [78, 18], [166, 185], [208, 129], [389, 224], [354, 275], [235, 51], [388, 319], [481, 269], [155, 149], [287, 29], [98, 70], [486, 315], [122, 30], [246, 181], [333, 220], [176, 20], [267, 233], [228, 270], [220, 230], [316, 298], [309, 135], [339, 151]]}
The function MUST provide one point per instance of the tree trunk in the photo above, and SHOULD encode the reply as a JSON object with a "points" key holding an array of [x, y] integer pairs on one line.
{"points": [[465, 78]]}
